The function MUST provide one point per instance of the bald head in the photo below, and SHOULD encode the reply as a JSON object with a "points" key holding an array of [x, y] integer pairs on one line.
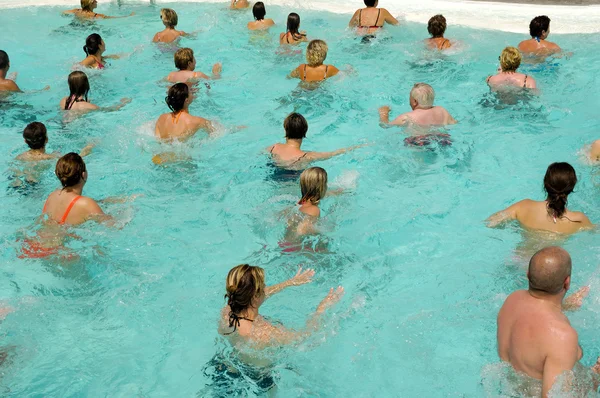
{"points": [[549, 269]]}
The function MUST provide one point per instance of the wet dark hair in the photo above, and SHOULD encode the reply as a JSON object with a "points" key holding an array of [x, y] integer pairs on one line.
{"points": [[244, 283], [259, 11], [92, 44], [437, 26], [539, 24], [176, 97], [370, 3], [35, 135], [70, 169], [293, 24], [295, 126], [3, 60], [79, 86], [559, 182]]}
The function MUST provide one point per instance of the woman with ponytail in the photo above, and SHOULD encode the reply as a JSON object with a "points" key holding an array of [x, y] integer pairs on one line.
{"points": [[245, 293], [179, 124], [79, 88], [551, 214], [94, 49]]}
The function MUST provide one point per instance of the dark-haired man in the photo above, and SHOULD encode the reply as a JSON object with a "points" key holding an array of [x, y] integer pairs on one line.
{"points": [[6, 84], [539, 29], [534, 335]]}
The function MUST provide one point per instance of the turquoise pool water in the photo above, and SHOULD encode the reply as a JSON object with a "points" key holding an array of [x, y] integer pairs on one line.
{"points": [[424, 277]]}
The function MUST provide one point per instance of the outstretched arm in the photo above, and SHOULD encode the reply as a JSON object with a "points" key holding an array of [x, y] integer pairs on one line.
{"points": [[327, 155], [389, 18], [503, 216], [384, 118], [299, 279]]}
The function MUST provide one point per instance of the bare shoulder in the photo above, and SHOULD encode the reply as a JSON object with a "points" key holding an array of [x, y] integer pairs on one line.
{"points": [[332, 70], [87, 203], [313, 211], [579, 216]]}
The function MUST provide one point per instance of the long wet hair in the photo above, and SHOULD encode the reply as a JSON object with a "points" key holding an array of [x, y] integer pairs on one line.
{"points": [[79, 86], [244, 283], [70, 169], [313, 185], [559, 182], [176, 97], [92, 44], [293, 24]]}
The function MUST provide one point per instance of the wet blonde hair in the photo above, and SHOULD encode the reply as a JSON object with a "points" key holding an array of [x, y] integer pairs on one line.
{"points": [[423, 93], [86, 5], [313, 185], [316, 52], [170, 17], [183, 57], [510, 59]]}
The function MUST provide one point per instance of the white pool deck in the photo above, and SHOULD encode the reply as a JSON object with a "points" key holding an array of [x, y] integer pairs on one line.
{"points": [[509, 17]]}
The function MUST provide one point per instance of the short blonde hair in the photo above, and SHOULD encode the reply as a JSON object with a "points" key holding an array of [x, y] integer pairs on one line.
{"points": [[423, 93], [170, 17], [183, 57], [86, 4], [316, 52], [510, 59], [313, 185]]}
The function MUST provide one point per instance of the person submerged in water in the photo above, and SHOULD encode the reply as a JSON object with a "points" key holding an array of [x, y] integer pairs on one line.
{"points": [[314, 70], [290, 155], [534, 335], [179, 124], [539, 29], [246, 291], [169, 34], [552, 214], [36, 138], [185, 61], [423, 113], [6, 84], [436, 28], [507, 75], [594, 152], [371, 19], [239, 4], [94, 49], [293, 35], [79, 88], [87, 11], [260, 23]]}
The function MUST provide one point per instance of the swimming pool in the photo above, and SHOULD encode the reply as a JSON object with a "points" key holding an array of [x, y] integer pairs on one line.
{"points": [[424, 278]]}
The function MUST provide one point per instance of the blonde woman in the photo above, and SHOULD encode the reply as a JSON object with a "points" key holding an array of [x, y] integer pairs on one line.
{"points": [[185, 62], [87, 11], [246, 291], [239, 4], [169, 34], [507, 75], [314, 70]]}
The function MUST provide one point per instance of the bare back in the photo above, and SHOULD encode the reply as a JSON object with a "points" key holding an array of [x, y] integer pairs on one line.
{"points": [[435, 116], [183, 76], [286, 155], [514, 79], [529, 331], [315, 74], [79, 106], [167, 36], [8, 85], [179, 127], [66, 207], [535, 47], [534, 215], [263, 24]]}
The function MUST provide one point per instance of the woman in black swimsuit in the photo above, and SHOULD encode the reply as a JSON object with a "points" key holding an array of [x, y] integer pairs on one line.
{"points": [[292, 34], [370, 19], [436, 28]]}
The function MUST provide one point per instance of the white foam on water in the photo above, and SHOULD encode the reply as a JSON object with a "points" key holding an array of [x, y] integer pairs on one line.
{"points": [[509, 17]]}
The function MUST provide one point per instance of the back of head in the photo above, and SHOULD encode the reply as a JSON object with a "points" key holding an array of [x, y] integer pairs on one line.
{"points": [[549, 269], [316, 52], [437, 26], [183, 58], [4, 61], [176, 96], [86, 5], [538, 25], [244, 283], [259, 11], [169, 17], [423, 93], [70, 169], [92, 44], [370, 3], [313, 185], [559, 182], [79, 86], [510, 59], [295, 126], [35, 135], [293, 23]]}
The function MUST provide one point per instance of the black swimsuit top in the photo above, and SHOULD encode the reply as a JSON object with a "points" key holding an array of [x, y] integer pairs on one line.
{"points": [[368, 27]]}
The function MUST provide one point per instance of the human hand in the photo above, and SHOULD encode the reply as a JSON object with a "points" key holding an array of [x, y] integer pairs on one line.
{"points": [[302, 277], [331, 299], [217, 68], [575, 300]]}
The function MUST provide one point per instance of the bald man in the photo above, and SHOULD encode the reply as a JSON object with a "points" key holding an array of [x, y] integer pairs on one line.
{"points": [[423, 112], [534, 335]]}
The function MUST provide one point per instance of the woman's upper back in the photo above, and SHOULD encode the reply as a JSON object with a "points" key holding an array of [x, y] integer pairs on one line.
{"points": [[290, 38], [261, 24], [167, 36], [514, 79], [177, 126], [316, 74], [534, 215], [66, 207], [286, 155]]}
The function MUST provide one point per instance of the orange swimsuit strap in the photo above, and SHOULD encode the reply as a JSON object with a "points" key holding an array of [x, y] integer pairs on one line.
{"points": [[175, 116]]}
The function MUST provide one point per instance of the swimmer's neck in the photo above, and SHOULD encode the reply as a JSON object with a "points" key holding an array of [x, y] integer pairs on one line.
{"points": [[41, 151], [3, 74], [554, 300], [422, 107], [76, 189], [293, 142]]}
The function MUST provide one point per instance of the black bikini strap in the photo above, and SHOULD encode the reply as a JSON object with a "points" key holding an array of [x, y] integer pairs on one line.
{"points": [[326, 67], [525, 82], [234, 321], [359, 14], [305, 72], [378, 14]]}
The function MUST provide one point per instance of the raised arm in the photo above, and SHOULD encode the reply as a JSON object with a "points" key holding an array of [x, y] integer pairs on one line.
{"points": [[384, 118], [300, 278]]}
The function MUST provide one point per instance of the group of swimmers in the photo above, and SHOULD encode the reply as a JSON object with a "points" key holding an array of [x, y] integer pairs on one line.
{"points": [[534, 336]]}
